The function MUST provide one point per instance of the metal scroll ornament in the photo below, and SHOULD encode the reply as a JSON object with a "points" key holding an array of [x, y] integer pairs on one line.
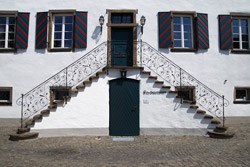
{"points": [[176, 76], [39, 97]]}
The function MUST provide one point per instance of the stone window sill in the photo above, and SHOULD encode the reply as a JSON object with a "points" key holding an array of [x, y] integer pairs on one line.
{"points": [[183, 50], [242, 102]]}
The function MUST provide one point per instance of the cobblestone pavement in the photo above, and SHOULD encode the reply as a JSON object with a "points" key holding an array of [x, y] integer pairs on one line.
{"points": [[183, 151]]}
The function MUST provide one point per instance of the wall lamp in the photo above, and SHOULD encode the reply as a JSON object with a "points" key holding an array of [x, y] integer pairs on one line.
{"points": [[142, 21], [101, 21]]}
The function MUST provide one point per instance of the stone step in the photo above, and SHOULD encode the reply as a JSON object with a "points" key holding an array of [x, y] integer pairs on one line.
{"points": [[94, 77], [206, 116], [146, 72], [24, 136], [201, 112], [22, 130], [30, 123], [54, 106], [45, 112], [74, 91], [193, 107], [159, 82], [59, 101], [220, 135], [188, 102], [166, 87], [38, 117], [152, 77], [220, 128], [101, 73], [81, 86], [87, 82], [214, 121]]}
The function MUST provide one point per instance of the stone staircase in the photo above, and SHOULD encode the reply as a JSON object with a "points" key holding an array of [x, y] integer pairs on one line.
{"points": [[24, 133]]}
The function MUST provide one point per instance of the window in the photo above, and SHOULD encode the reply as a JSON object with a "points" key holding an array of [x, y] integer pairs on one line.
{"points": [[241, 95], [59, 93], [5, 96], [186, 93], [67, 30], [62, 31], [240, 34], [183, 31], [14, 30], [121, 18], [234, 32], [7, 31], [182, 28]]}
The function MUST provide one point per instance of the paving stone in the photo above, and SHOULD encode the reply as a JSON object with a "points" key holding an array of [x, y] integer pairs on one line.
{"points": [[158, 151]]}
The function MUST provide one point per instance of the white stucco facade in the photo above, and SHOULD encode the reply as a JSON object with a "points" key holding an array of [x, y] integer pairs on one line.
{"points": [[220, 70]]}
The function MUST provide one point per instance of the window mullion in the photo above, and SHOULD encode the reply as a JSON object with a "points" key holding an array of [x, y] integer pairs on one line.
{"points": [[63, 31], [240, 34], [182, 33], [248, 33], [6, 32]]}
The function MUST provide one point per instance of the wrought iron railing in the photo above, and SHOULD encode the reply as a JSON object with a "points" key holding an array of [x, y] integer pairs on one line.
{"points": [[39, 97], [176, 76]]}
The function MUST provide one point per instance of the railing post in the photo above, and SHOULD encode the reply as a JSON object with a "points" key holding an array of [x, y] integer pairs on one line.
{"points": [[223, 105], [22, 112]]}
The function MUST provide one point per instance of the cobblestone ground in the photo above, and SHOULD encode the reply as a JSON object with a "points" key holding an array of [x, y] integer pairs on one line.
{"points": [[183, 151]]}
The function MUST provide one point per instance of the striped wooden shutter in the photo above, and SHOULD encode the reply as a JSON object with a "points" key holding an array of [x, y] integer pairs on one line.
{"points": [[226, 39], [164, 20], [81, 30], [22, 30], [41, 30], [202, 31]]}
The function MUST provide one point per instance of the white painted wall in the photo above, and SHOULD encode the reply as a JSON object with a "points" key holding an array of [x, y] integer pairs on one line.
{"points": [[90, 110], [28, 68]]}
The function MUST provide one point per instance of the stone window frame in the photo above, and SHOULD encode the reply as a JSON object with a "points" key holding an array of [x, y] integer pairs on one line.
{"points": [[191, 90], [241, 101]]}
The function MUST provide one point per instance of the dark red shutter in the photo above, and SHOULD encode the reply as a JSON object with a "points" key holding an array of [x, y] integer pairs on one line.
{"points": [[202, 31], [164, 20], [41, 30], [225, 26], [22, 30], [81, 30]]}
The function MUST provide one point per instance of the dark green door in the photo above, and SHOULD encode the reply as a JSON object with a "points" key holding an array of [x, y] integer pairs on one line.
{"points": [[121, 47], [124, 107]]}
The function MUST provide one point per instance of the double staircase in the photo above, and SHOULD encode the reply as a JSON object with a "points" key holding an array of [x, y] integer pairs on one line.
{"points": [[37, 103]]}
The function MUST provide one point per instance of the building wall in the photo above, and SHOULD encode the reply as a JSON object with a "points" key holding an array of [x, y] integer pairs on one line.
{"points": [[28, 68]]}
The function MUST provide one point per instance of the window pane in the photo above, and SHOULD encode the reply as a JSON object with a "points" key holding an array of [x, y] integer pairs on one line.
{"points": [[58, 27], [244, 30], [2, 36], [58, 35], [68, 43], [187, 20], [187, 36], [177, 27], [2, 44], [68, 35], [235, 22], [11, 36], [177, 35], [243, 22], [10, 44], [11, 28], [177, 43], [236, 45], [58, 19], [11, 20], [244, 37], [240, 94], [236, 37], [68, 27], [187, 44], [245, 45], [235, 29], [68, 19], [187, 28], [2, 28], [2, 20], [4, 95], [177, 20], [57, 43]]}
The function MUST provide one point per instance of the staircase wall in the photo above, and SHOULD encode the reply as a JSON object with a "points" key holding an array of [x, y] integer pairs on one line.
{"points": [[87, 113]]}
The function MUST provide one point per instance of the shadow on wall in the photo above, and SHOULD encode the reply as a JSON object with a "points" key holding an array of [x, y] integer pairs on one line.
{"points": [[96, 35]]}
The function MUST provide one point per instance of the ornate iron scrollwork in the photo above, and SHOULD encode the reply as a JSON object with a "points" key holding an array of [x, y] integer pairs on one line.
{"points": [[39, 97]]}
